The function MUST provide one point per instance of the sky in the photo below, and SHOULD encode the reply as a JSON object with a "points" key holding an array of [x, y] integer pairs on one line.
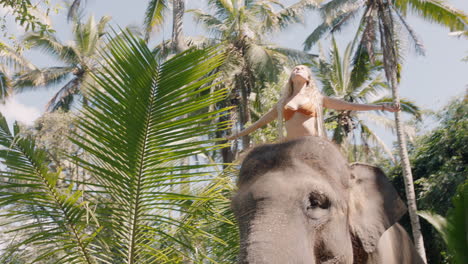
{"points": [[431, 81]]}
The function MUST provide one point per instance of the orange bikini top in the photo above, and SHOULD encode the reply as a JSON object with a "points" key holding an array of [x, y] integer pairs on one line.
{"points": [[306, 109]]}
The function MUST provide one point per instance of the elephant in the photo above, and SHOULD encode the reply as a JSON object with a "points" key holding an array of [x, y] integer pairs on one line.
{"points": [[300, 202]]}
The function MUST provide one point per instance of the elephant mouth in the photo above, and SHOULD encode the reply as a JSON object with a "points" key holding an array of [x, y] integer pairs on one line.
{"points": [[334, 260], [324, 256]]}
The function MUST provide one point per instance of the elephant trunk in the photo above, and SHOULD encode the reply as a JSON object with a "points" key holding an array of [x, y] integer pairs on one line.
{"points": [[275, 238]]}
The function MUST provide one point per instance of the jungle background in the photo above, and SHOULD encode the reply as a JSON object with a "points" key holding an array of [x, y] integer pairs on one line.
{"points": [[118, 155]]}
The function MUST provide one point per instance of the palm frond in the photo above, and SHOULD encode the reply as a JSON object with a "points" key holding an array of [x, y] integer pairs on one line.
{"points": [[88, 36], [372, 88], [13, 59], [223, 8], [296, 56], [64, 97], [102, 24], [325, 27], [276, 20], [154, 16], [407, 106], [436, 11], [149, 115], [5, 84], [210, 22], [418, 45], [437, 221], [378, 120], [51, 45], [41, 78], [264, 60], [364, 53], [73, 10], [30, 192], [334, 8], [338, 69], [214, 217], [370, 135]]}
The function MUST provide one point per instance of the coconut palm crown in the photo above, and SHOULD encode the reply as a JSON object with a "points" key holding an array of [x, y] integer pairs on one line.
{"points": [[363, 83], [78, 57]]}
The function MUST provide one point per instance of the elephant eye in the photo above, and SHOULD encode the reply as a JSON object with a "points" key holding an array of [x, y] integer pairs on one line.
{"points": [[317, 200]]}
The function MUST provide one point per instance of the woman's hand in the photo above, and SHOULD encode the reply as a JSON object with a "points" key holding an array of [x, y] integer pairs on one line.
{"points": [[390, 107]]}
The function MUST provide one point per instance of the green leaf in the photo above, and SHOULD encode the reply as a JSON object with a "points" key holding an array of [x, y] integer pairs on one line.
{"points": [[149, 115], [154, 16], [45, 215]]}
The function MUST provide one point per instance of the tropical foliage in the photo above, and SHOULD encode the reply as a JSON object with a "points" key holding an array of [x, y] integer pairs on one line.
{"points": [[130, 211], [28, 14], [80, 59], [344, 79], [11, 61], [439, 164], [453, 228], [131, 174]]}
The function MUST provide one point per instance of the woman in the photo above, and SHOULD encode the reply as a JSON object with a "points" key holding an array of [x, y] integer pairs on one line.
{"points": [[301, 107]]}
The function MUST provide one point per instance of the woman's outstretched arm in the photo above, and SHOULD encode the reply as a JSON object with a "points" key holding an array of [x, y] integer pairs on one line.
{"points": [[265, 119], [343, 105]]}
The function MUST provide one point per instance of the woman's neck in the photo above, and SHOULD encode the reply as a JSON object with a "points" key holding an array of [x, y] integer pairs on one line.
{"points": [[299, 86]]}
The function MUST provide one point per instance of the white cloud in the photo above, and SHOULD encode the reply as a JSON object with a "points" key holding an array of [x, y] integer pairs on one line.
{"points": [[16, 111]]}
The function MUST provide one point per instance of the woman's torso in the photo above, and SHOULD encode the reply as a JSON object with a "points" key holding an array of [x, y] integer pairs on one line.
{"points": [[302, 117]]}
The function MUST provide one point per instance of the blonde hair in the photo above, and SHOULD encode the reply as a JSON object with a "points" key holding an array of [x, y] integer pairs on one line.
{"points": [[315, 98]]}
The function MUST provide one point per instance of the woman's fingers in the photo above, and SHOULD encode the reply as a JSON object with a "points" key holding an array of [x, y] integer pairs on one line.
{"points": [[392, 108]]}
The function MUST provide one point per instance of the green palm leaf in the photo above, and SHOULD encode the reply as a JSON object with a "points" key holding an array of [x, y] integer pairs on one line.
{"points": [[13, 59], [369, 135], [41, 77], [223, 8], [29, 192], [49, 44], [149, 116], [5, 83], [210, 22], [334, 24], [154, 16], [454, 227], [436, 11], [407, 106], [218, 240]]}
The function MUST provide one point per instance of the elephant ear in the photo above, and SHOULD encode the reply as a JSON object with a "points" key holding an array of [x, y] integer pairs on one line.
{"points": [[374, 204]]}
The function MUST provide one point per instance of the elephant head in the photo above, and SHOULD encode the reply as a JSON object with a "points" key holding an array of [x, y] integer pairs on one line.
{"points": [[301, 202]]}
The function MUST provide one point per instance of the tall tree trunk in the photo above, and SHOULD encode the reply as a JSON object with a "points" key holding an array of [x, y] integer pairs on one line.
{"points": [[178, 10], [391, 70], [244, 110]]}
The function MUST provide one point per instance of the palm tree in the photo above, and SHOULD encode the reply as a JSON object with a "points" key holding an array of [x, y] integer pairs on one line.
{"points": [[357, 83], [154, 20], [11, 61], [241, 27], [79, 57], [134, 129], [380, 23]]}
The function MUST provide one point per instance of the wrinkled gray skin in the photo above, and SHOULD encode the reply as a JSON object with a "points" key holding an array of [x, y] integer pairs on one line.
{"points": [[300, 202]]}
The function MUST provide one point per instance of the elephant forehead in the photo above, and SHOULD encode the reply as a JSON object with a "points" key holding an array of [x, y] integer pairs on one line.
{"points": [[318, 154], [293, 184]]}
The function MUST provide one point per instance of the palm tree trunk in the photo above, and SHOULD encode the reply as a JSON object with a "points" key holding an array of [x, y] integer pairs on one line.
{"points": [[178, 10], [390, 57], [408, 179], [244, 111]]}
